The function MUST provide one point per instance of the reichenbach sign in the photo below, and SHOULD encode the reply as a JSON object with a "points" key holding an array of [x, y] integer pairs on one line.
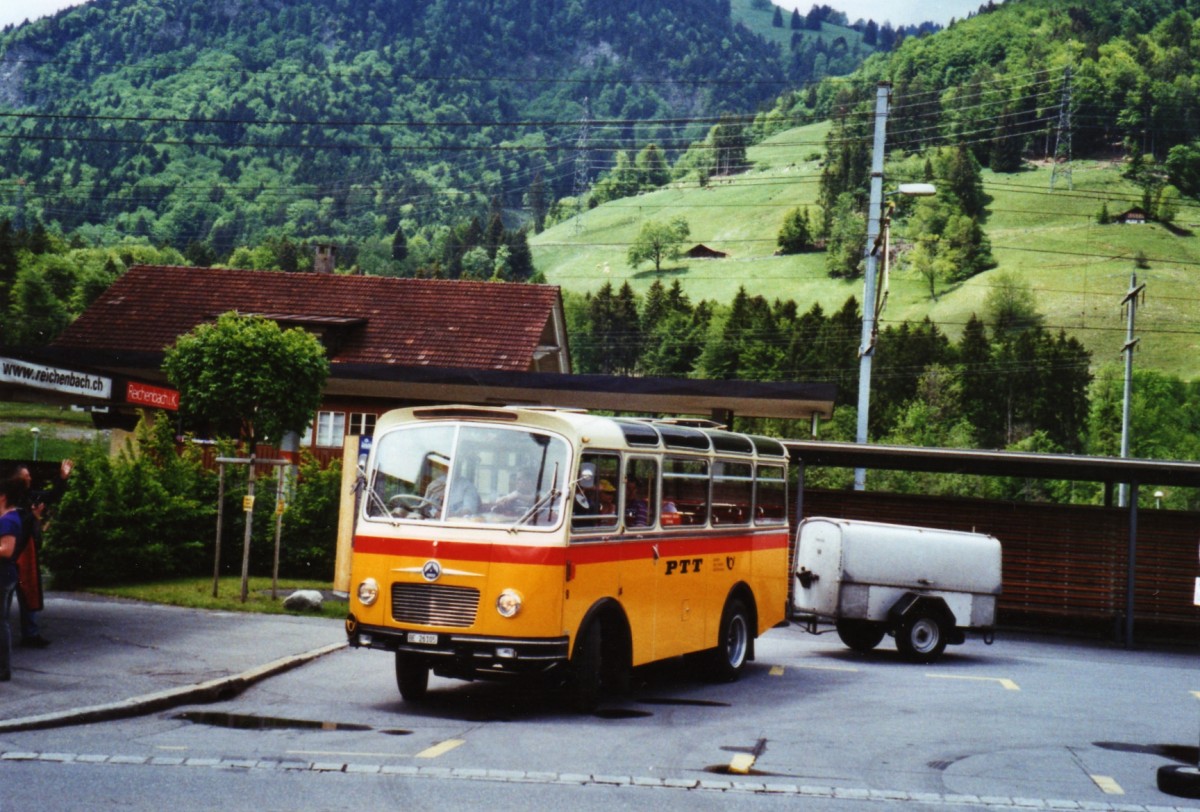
{"points": [[143, 394], [67, 381]]}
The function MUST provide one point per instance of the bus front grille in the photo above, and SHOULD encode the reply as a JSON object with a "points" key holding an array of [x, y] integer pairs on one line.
{"points": [[434, 604]]}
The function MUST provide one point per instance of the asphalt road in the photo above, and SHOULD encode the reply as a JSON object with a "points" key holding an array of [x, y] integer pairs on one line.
{"points": [[1030, 722]]}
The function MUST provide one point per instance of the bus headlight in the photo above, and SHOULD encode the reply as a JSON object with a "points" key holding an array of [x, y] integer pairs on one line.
{"points": [[508, 603], [368, 592]]}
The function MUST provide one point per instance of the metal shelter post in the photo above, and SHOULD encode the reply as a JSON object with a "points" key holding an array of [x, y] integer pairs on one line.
{"points": [[1130, 575], [874, 212]]}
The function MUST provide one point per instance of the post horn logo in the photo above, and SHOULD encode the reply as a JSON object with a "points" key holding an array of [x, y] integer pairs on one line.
{"points": [[431, 571]]}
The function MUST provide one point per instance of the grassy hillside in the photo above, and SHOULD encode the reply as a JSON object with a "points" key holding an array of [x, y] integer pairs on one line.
{"points": [[759, 20], [1079, 270]]}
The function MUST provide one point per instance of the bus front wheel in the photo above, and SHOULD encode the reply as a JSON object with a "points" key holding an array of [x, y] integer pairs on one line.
{"points": [[412, 676], [733, 642], [586, 675]]}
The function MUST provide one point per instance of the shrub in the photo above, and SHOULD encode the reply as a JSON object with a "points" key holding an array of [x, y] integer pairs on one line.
{"points": [[143, 514]]}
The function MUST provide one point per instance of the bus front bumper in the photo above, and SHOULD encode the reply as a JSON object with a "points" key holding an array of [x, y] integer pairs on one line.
{"points": [[465, 655]]}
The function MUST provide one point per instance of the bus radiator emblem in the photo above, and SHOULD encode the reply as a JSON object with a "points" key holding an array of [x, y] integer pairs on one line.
{"points": [[431, 571]]}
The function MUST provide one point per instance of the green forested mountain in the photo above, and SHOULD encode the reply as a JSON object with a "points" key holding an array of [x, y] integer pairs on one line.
{"points": [[186, 121], [423, 142]]}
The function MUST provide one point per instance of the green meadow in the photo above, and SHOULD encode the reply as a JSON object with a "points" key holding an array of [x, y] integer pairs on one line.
{"points": [[1079, 270]]}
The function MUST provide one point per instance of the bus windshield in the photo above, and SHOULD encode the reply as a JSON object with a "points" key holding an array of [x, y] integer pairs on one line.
{"points": [[458, 473]]}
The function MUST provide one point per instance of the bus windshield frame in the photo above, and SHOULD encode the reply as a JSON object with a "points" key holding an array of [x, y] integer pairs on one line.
{"points": [[498, 475]]}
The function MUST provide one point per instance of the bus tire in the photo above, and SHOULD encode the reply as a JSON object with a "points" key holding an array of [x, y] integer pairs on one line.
{"points": [[733, 642], [586, 681], [1180, 780], [412, 676], [921, 637], [860, 635]]}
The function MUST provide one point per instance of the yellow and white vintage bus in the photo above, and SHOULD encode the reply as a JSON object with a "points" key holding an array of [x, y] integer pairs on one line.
{"points": [[499, 543]]}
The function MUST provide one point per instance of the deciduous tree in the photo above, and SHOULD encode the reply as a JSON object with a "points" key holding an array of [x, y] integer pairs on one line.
{"points": [[248, 379], [658, 241]]}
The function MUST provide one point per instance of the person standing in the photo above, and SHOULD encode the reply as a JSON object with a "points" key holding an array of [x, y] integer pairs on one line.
{"points": [[34, 515], [12, 540]]}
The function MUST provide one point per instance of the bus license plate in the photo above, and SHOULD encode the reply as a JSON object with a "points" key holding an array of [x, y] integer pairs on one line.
{"points": [[422, 639]]}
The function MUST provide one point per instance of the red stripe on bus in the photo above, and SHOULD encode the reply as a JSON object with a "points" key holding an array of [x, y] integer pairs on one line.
{"points": [[581, 553], [459, 550]]}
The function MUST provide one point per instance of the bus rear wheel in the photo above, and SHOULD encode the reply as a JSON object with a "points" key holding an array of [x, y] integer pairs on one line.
{"points": [[412, 676], [733, 642], [860, 635]]}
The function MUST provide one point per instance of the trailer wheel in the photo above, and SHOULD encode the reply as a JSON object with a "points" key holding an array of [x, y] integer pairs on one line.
{"points": [[921, 637], [1180, 780], [733, 643], [860, 635], [412, 676]]}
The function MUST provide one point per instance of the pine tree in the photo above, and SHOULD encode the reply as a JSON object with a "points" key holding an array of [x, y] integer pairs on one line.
{"points": [[795, 236], [537, 202], [520, 257], [399, 245], [287, 257], [493, 238], [8, 255], [777, 20]]}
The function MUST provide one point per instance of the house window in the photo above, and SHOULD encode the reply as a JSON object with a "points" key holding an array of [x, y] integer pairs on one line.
{"points": [[331, 428], [362, 423]]}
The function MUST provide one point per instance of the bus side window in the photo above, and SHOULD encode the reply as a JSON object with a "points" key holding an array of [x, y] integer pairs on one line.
{"points": [[685, 492], [594, 501], [770, 495], [641, 492], [733, 492]]}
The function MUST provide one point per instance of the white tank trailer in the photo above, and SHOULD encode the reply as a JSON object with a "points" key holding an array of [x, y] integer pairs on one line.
{"points": [[926, 587]]}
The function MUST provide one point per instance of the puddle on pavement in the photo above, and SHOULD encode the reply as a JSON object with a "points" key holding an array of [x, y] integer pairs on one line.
{"points": [[239, 721], [1184, 754], [621, 713], [699, 703]]}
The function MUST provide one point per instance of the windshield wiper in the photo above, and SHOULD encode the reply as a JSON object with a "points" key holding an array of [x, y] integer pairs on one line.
{"points": [[545, 499], [362, 486]]}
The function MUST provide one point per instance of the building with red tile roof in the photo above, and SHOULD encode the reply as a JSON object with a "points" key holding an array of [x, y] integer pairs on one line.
{"points": [[360, 319], [391, 342]]}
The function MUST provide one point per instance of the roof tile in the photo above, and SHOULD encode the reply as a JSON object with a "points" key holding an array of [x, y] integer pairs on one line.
{"points": [[441, 323]]}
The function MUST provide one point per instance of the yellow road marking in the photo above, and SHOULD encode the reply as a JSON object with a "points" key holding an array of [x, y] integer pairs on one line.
{"points": [[441, 749], [1107, 785], [1196, 694], [1008, 684], [776, 671], [827, 667], [741, 763]]}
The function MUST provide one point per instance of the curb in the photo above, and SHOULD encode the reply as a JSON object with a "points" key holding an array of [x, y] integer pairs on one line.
{"points": [[211, 691]]}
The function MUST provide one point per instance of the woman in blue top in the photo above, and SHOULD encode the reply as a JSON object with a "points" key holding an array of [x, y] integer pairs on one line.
{"points": [[12, 538]]}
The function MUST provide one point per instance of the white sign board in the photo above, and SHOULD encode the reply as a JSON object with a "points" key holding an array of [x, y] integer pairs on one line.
{"points": [[66, 381], [1196, 594]]}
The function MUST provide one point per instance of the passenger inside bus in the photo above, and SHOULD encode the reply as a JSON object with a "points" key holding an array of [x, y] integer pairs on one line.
{"points": [[607, 495], [637, 508], [464, 497]]}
